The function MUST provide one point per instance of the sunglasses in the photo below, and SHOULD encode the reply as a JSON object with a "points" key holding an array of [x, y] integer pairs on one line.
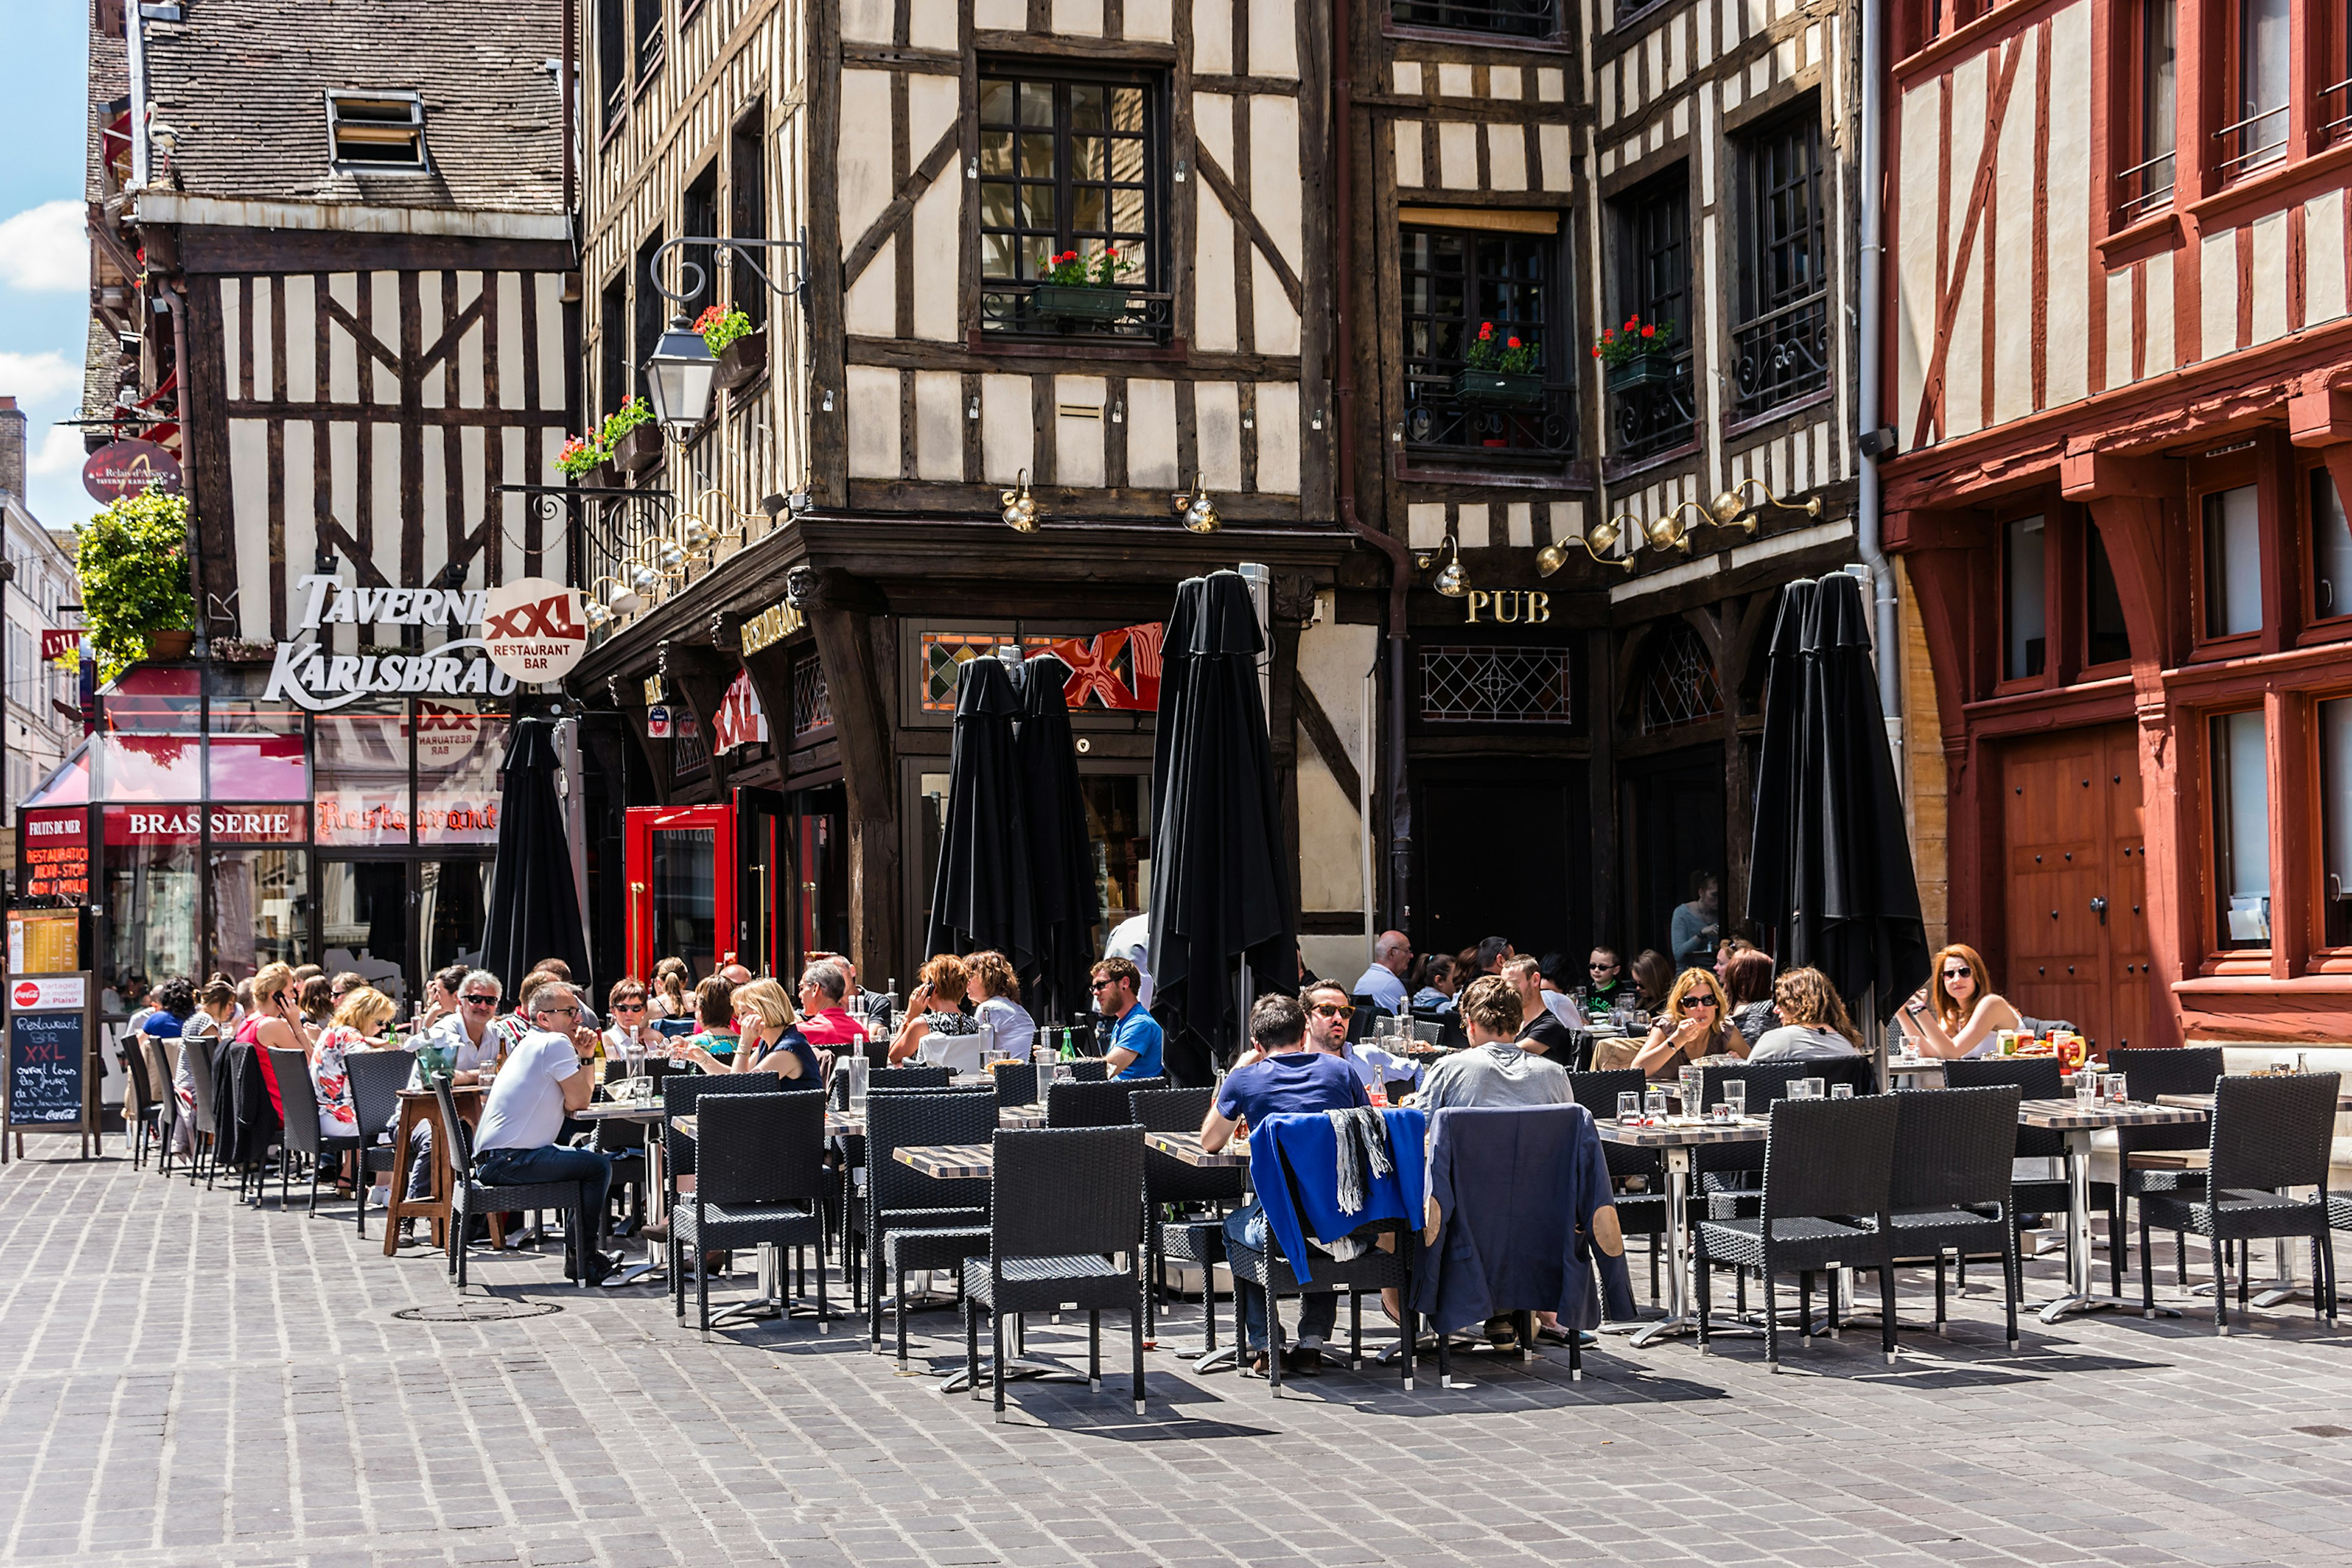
{"points": [[1333, 1010], [1954, 974], [1106, 985], [480, 1001], [1699, 1001], [559, 1011], [1601, 968], [628, 1005]]}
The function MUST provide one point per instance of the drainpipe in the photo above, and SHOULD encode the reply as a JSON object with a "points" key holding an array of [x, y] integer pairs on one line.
{"points": [[1870, 418], [1400, 557]]}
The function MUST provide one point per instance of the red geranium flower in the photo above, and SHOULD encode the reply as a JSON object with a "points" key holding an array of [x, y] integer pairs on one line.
{"points": [[1514, 342], [1649, 331]]}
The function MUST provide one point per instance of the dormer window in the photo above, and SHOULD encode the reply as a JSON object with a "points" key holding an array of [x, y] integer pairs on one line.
{"points": [[372, 132]]}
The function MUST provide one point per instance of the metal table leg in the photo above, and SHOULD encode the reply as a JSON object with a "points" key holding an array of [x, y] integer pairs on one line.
{"points": [[657, 1264], [2078, 1297]]}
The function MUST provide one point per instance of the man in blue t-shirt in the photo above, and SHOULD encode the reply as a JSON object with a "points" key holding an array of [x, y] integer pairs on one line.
{"points": [[1136, 1042], [1288, 1078]]}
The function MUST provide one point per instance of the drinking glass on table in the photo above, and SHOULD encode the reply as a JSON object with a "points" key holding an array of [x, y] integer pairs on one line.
{"points": [[1692, 1078], [1804, 1088], [2118, 1091], [1653, 1106], [2086, 1087], [1841, 1091], [1629, 1109], [1735, 1094]]}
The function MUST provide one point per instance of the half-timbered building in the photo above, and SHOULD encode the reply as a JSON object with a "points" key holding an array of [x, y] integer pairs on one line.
{"points": [[2118, 339], [826, 550], [337, 238], [1534, 174]]}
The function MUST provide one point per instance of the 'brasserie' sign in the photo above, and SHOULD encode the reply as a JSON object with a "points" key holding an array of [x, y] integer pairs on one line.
{"points": [[314, 677]]}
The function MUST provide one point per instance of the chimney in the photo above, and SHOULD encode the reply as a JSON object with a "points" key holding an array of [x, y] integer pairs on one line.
{"points": [[12, 449]]}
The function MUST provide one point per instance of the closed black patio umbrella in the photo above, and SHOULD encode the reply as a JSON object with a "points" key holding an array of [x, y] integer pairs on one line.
{"points": [[1061, 850], [1838, 883], [980, 890], [1219, 894], [534, 905]]}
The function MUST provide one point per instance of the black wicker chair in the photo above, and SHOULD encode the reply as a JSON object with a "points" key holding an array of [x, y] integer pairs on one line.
{"points": [[1374, 1269], [1954, 1151], [1103, 1104], [1066, 1202], [1826, 1202], [202, 1139], [376, 1079], [1089, 1070], [681, 1092], [302, 1136], [2267, 1134], [921, 1077], [471, 1195], [759, 1182], [1638, 1214], [2037, 1077], [914, 1221], [1203, 1195], [2148, 1073], [1016, 1084]]}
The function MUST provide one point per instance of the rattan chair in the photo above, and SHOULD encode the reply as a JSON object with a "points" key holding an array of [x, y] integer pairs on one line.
{"points": [[198, 1057], [1203, 1195], [2036, 1078], [759, 1182], [300, 1101], [1068, 1203], [1954, 1151], [2149, 1160], [2267, 1135], [471, 1195], [922, 1075], [1016, 1084], [914, 1221], [681, 1092], [1374, 1270], [1826, 1202], [1089, 1070], [376, 1079], [1103, 1104]]}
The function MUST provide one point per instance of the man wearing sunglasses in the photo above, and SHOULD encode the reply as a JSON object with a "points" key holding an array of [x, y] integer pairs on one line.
{"points": [[548, 1076], [1137, 1047]]}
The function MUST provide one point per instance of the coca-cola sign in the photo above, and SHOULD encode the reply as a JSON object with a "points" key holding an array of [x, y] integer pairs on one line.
{"points": [[123, 468]]}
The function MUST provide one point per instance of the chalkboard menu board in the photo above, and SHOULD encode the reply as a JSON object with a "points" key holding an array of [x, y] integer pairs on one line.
{"points": [[50, 1063], [45, 1056]]}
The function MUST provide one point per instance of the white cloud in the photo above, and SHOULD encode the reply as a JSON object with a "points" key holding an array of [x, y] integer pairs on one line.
{"points": [[61, 451], [37, 378], [46, 249]]}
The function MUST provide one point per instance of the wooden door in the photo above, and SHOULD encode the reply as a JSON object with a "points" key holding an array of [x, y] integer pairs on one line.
{"points": [[2075, 900]]}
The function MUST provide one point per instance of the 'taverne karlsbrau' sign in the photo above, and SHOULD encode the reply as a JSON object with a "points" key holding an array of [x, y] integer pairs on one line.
{"points": [[315, 677]]}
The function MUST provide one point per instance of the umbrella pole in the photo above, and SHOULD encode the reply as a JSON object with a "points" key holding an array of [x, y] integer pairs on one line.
{"points": [[1248, 988]]}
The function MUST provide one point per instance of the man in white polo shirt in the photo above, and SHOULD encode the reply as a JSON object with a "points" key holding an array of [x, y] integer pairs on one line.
{"points": [[547, 1075]]}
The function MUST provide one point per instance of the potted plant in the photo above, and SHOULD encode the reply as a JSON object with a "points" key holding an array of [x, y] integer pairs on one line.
{"points": [[1639, 353], [133, 560], [740, 353], [1498, 373], [1076, 289], [631, 437], [584, 460]]}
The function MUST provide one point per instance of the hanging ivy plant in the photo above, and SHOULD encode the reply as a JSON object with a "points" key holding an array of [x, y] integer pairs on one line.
{"points": [[133, 560]]}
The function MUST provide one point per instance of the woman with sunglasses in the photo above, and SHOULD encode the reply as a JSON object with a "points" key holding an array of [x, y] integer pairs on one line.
{"points": [[1966, 1015], [1696, 1023], [632, 1030]]}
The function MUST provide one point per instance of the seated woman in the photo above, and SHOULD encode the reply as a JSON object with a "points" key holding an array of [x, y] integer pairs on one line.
{"points": [[766, 1040], [714, 1009], [1813, 1022], [1748, 992], [937, 1008], [1438, 983], [358, 1026], [1654, 976], [1694, 1025], [1009, 1023], [1966, 1013]]}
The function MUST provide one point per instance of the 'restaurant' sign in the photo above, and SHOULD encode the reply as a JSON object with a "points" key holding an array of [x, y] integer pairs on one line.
{"points": [[533, 629], [311, 675], [770, 626], [56, 853], [123, 468]]}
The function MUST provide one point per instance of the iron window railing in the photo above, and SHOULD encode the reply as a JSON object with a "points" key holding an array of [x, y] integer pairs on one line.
{"points": [[1782, 355], [1030, 310], [1438, 423], [1655, 416]]}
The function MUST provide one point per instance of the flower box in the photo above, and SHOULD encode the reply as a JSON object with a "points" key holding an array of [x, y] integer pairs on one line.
{"points": [[638, 448], [742, 362], [1648, 370], [1499, 388], [602, 476], [1074, 302], [171, 644]]}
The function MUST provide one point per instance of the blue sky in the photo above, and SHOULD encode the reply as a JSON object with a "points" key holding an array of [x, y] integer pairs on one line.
{"points": [[44, 257]]}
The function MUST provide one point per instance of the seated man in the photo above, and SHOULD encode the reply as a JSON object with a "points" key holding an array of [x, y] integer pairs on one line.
{"points": [[1383, 979], [1288, 1078], [1502, 1067], [1539, 1024], [1137, 1047], [823, 1020], [547, 1075]]}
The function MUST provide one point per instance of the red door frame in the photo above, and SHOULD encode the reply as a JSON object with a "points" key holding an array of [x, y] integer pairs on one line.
{"points": [[638, 844]]}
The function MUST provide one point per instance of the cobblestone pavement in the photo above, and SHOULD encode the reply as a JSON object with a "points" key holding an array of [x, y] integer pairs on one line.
{"points": [[193, 1381]]}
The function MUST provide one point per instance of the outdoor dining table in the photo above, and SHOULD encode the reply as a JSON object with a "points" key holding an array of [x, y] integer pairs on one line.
{"points": [[1911, 1072], [2078, 1121], [1675, 1139], [646, 1112], [421, 1107]]}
